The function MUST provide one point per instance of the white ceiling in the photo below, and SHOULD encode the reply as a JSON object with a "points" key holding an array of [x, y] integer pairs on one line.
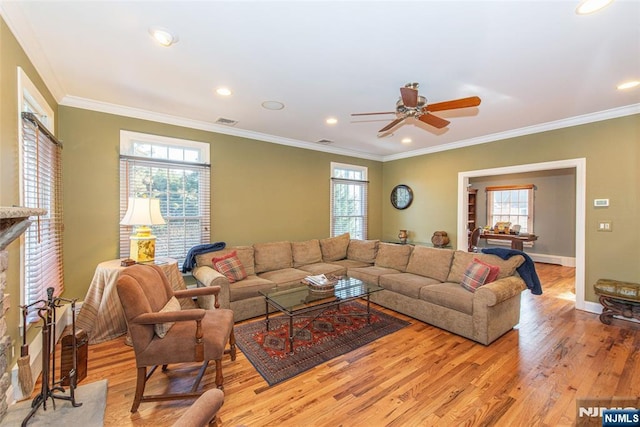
{"points": [[537, 65]]}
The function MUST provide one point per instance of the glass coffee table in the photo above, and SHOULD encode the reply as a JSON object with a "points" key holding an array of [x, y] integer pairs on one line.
{"points": [[299, 301]]}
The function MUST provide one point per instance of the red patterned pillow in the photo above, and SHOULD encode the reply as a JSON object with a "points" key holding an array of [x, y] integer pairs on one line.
{"points": [[230, 266], [494, 270], [474, 276]]}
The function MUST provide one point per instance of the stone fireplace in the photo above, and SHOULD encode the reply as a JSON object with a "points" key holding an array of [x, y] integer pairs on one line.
{"points": [[13, 222]]}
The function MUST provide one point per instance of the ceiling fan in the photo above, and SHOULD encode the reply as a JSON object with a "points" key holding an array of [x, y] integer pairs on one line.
{"points": [[413, 105]]}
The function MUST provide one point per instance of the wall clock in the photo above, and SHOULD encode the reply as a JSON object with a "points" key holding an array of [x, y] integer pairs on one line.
{"points": [[401, 196]]}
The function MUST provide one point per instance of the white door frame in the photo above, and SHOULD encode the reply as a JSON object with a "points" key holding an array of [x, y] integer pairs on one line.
{"points": [[580, 165]]}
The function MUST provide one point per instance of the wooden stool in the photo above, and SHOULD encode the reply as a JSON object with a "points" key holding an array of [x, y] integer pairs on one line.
{"points": [[618, 298]]}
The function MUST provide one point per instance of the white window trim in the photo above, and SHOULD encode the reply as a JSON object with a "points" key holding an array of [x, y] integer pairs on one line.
{"points": [[336, 165], [530, 217], [29, 93], [127, 138], [365, 171]]}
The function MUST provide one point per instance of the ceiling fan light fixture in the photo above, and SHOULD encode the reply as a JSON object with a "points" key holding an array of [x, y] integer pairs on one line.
{"points": [[272, 105], [628, 85], [163, 36], [586, 7]]}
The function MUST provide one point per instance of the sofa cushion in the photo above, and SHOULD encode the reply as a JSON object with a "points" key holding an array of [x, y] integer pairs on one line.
{"points": [[230, 266], [244, 253], [474, 276], [335, 248], [494, 270], [348, 264], [406, 283], [272, 256], [284, 276], [462, 259], [430, 262], [393, 256], [370, 274], [249, 287], [450, 295], [363, 250], [307, 252], [324, 268]]}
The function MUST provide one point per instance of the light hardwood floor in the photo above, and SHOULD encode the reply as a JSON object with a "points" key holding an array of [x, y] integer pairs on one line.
{"points": [[419, 376]]}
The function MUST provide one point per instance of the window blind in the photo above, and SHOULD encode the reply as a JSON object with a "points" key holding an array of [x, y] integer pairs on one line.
{"points": [[512, 203], [41, 157], [183, 189], [349, 207]]}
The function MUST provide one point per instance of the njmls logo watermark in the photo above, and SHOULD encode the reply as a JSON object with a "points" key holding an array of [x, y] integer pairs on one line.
{"points": [[606, 412]]}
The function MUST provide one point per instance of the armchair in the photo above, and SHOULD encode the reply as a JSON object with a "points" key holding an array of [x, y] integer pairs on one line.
{"points": [[197, 335]]}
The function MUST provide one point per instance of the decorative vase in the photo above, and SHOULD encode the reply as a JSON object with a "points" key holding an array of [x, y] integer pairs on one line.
{"points": [[440, 239]]}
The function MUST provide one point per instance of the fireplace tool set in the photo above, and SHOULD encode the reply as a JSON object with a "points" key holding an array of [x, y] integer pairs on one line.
{"points": [[46, 310]]}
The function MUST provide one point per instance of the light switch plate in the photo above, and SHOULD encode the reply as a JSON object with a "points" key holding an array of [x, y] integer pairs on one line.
{"points": [[600, 203], [605, 226]]}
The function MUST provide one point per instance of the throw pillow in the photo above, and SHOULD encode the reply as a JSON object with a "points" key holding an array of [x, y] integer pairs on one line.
{"points": [[494, 270], [230, 266], [474, 276], [161, 329]]}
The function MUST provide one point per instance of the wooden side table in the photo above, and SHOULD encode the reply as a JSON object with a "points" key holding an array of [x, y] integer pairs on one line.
{"points": [[101, 314], [618, 299]]}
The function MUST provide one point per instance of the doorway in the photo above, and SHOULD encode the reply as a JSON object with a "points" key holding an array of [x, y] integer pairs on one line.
{"points": [[580, 172]]}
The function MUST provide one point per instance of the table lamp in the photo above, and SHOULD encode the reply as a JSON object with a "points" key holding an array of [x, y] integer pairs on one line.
{"points": [[142, 212]]}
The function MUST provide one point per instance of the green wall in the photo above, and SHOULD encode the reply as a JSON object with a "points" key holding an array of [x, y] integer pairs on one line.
{"points": [[260, 191], [612, 152], [11, 57], [266, 192]]}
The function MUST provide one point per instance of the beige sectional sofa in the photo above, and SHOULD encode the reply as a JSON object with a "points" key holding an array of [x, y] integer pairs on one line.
{"points": [[419, 281]]}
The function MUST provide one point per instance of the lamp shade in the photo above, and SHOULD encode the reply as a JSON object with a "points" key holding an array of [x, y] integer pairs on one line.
{"points": [[142, 211]]}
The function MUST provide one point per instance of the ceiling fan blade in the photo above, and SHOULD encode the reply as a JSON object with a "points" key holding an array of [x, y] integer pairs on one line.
{"points": [[409, 96], [472, 101], [371, 114], [391, 125], [434, 121]]}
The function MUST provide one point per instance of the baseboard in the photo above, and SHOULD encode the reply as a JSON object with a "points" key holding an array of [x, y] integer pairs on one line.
{"points": [[63, 316], [553, 259]]}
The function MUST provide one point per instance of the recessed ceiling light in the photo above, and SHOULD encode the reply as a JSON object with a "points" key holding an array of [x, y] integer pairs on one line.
{"points": [[629, 85], [586, 7], [163, 37], [332, 121], [406, 140], [272, 105], [223, 91]]}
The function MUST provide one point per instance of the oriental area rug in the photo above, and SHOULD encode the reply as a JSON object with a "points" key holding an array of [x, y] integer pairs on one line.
{"points": [[334, 332]]}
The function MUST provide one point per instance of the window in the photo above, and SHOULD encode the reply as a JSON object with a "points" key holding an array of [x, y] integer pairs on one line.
{"points": [[40, 187], [176, 172], [512, 203], [349, 200]]}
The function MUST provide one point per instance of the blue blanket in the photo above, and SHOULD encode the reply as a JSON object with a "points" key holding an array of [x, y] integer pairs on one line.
{"points": [[527, 270], [190, 259]]}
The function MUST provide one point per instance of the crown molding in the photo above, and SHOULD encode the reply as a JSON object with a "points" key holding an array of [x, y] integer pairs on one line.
{"points": [[613, 113], [31, 47], [104, 107]]}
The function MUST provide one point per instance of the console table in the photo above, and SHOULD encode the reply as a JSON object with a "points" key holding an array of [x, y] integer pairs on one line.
{"points": [[101, 315], [517, 241]]}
